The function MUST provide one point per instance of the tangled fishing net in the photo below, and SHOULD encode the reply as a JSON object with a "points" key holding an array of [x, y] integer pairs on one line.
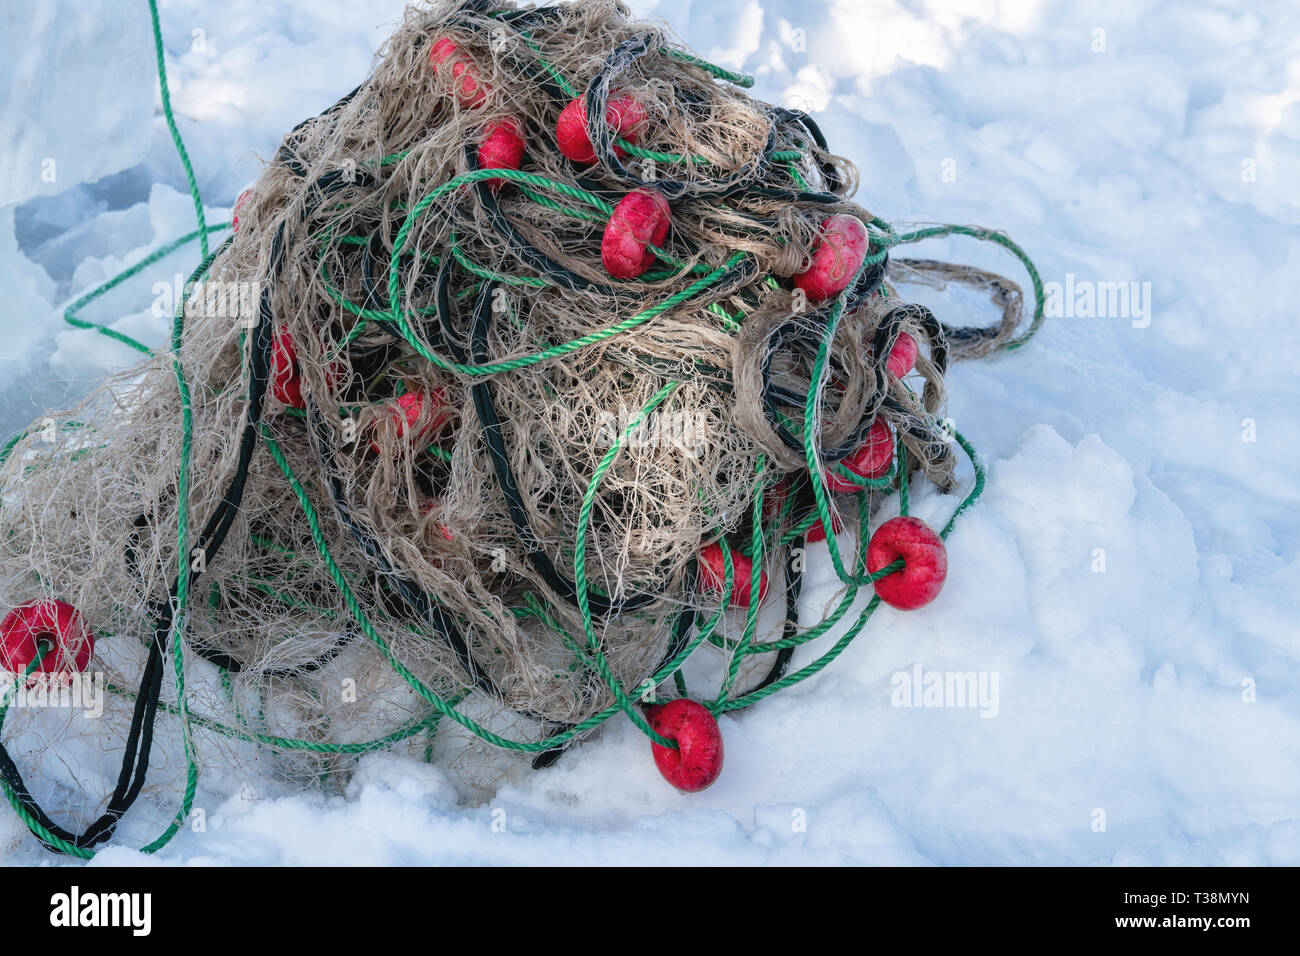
{"points": [[525, 363]]}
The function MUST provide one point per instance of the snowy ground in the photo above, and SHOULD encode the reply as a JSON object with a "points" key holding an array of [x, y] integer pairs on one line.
{"points": [[1146, 713]]}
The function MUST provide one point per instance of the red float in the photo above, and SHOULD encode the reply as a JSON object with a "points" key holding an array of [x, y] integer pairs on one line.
{"points": [[624, 113], [902, 357], [871, 459], [458, 72], [925, 562], [817, 531], [55, 622], [240, 203], [285, 385], [502, 148], [407, 410], [696, 762], [640, 220], [713, 575], [286, 381], [836, 258], [427, 507], [774, 499]]}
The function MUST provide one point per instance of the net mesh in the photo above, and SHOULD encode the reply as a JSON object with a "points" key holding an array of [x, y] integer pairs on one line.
{"points": [[414, 456]]}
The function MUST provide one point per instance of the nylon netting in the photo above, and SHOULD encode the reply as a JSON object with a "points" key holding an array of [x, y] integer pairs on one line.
{"points": [[281, 567]]}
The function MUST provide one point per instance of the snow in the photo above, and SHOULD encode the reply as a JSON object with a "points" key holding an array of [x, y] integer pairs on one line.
{"points": [[58, 55], [1131, 576]]}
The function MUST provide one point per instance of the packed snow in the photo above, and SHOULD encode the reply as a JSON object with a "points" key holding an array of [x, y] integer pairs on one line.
{"points": [[1127, 591]]}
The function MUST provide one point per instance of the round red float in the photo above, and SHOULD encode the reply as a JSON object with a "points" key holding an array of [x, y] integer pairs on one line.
{"points": [[925, 562], [713, 575], [696, 762], [285, 385], [817, 531], [837, 256], [458, 72], [428, 506], [54, 622], [240, 203], [406, 411], [624, 113], [640, 220], [502, 148], [871, 459], [774, 499], [902, 357], [286, 381]]}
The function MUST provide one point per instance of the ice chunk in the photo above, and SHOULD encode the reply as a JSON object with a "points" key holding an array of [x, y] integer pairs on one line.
{"points": [[78, 100]]}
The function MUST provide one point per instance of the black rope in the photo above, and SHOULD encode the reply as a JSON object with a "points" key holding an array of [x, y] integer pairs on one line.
{"points": [[485, 408], [139, 741], [832, 176], [287, 153]]}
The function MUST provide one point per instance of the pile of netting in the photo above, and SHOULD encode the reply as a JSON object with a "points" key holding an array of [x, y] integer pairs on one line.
{"points": [[527, 373]]}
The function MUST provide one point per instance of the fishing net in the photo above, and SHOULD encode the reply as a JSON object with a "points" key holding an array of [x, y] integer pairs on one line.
{"points": [[415, 465]]}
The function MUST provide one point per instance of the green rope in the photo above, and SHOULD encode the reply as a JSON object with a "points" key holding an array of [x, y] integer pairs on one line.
{"points": [[71, 315], [1002, 239], [743, 80], [176, 134]]}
